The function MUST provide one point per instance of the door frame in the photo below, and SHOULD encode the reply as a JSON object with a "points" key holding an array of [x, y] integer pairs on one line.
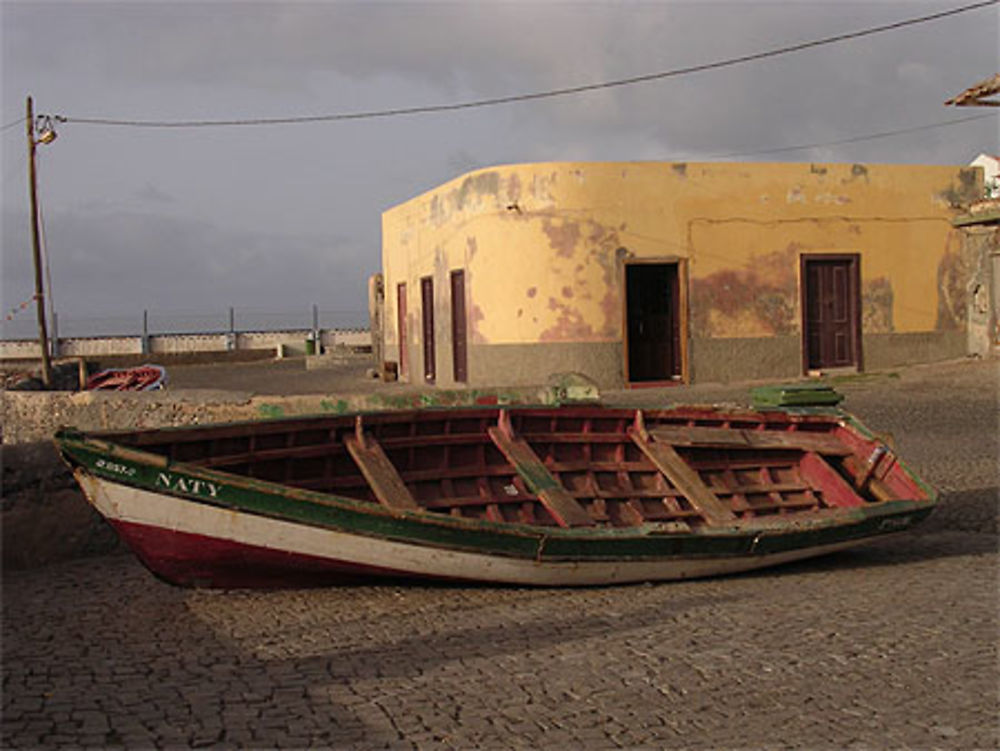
{"points": [[427, 333], [401, 332], [854, 302], [682, 315], [459, 328]]}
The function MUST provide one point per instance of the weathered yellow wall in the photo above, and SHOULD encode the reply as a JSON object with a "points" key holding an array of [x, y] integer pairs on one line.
{"points": [[543, 246]]}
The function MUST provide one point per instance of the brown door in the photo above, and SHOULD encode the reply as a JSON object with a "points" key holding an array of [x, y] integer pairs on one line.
{"points": [[652, 305], [459, 343], [832, 311], [401, 326], [427, 315]]}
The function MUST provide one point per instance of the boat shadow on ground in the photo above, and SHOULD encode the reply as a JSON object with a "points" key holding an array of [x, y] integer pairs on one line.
{"points": [[630, 607], [160, 632], [352, 687], [536, 631]]}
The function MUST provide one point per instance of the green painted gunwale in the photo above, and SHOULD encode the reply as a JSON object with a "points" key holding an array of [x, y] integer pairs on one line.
{"points": [[652, 541]]}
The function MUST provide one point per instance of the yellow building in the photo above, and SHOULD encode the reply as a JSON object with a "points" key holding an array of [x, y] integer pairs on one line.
{"points": [[645, 272]]}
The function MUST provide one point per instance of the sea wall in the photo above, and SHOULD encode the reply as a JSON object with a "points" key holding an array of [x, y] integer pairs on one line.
{"points": [[98, 346]]}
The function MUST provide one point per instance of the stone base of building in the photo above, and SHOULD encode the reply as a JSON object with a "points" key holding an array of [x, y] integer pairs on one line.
{"points": [[725, 360], [531, 364], [711, 360], [883, 351]]}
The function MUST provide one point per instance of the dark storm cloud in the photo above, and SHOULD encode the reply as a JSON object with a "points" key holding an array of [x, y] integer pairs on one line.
{"points": [[126, 262], [474, 50], [291, 214]]}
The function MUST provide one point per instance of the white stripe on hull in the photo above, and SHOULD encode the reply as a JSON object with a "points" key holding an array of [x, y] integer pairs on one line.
{"points": [[119, 502]]}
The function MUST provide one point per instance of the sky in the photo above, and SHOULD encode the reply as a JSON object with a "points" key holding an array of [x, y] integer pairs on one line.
{"points": [[278, 218]]}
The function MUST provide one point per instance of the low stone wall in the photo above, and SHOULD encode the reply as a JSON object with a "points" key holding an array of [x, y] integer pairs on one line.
{"points": [[24, 349], [44, 516], [123, 345]]}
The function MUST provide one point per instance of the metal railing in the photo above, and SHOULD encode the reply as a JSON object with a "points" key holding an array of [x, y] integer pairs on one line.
{"points": [[148, 323]]}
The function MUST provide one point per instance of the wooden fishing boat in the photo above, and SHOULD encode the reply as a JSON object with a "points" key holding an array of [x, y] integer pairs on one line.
{"points": [[140, 378], [558, 496]]}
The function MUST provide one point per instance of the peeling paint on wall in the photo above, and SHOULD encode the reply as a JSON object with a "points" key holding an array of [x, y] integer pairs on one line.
{"points": [[476, 316], [541, 189], [569, 326], [757, 300], [584, 244], [484, 183], [612, 302], [836, 199], [876, 306], [859, 171], [795, 195], [610, 255], [563, 238], [967, 189], [442, 206], [514, 188], [954, 271], [435, 212]]}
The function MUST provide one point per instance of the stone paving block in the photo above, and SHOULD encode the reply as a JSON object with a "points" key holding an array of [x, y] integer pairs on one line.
{"points": [[892, 633]]}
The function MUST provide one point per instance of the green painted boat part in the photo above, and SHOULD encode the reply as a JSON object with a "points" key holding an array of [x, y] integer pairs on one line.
{"points": [[795, 395]]}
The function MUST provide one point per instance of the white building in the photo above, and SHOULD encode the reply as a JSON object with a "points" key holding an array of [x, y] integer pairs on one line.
{"points": [[991, 173]]}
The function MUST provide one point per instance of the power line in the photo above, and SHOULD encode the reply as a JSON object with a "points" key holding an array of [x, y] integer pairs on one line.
{"points": [[11, 125], [854, 139], [533, 96]]}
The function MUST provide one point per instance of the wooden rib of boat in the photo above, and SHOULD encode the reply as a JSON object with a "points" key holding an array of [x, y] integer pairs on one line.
{"points": [[572, 495]]}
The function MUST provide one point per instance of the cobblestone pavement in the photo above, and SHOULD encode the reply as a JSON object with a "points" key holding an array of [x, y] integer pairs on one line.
{"points": [[893, 645]]}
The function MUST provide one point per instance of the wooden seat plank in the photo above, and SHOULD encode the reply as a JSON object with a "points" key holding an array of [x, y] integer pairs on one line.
{"points": [[820, 443], [683, 477], [385, 482], [564, 508]]}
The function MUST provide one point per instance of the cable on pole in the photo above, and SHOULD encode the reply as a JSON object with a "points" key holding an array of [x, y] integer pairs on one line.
{"points": [[534, 96], [853, 139], [11, 125]]}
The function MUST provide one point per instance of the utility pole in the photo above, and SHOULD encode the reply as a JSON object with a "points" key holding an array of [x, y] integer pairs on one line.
{"points": [[36, 250]]}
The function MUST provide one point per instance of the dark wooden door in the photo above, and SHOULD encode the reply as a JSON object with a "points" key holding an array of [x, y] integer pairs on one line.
{"points": [[427, 316], [459, 336], [401, 326], [832, 312], [652, 303]]}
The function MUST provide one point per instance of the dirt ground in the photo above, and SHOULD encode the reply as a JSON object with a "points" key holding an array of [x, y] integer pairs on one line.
{"points": [[290, 376], [283, 377]]}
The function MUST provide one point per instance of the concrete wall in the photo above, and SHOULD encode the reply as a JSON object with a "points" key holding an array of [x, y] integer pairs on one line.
{"points": [[178, 343], [981, 245], [544, 247]]}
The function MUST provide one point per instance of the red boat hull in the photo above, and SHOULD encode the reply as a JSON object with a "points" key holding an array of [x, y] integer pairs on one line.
{"points": [[200, 561]]}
